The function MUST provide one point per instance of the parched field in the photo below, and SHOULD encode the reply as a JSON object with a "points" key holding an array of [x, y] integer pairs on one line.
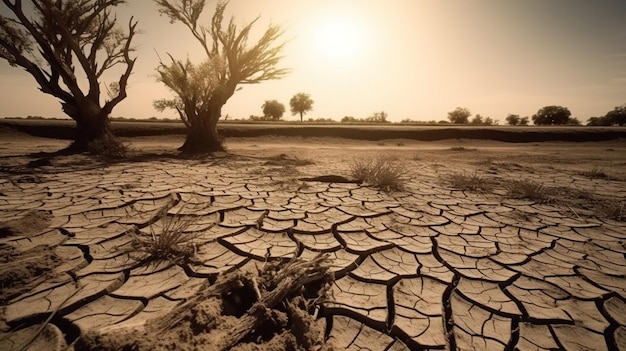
{"points": [[490, 245]]}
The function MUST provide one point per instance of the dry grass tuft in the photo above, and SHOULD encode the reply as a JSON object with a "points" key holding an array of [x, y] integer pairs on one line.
{"points": [[528, 189], [472, 182], [286, 160], [172, 242], [108, 148], [595, 173], [385, 173], [461, 148], [616, 210]]}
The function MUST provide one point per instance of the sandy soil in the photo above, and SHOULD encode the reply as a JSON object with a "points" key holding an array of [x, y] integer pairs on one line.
{"points": [[442, 264]]}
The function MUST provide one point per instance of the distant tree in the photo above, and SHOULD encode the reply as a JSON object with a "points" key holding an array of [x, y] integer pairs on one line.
{"points": [[599, 121], [273, 109], [347, 119], [617, 115], [551, 115], [378, 117], [322, 120], [490, 122], [301, 103], [459, 116], [573, 121], [512, 120], [201, 90], [478, 119], [67, 46], [524, 121], [412, 121]]}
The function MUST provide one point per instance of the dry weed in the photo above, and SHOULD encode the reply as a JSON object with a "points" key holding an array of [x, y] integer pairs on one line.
{"points": [[528, 189], [172, 241], [615, 210], [385, 173], [461, 148], [595, 173], [474, 182]]}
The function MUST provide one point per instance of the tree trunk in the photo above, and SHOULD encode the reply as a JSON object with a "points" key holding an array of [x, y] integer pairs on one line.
{"points": [[300, 116], [93, 130], [202, 136]]}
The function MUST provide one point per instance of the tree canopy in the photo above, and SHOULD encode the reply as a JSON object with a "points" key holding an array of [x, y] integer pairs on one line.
{"points": [[617, 115], [551, 115], [512, 119], [460, 115], [273, 110], [62, 43]]}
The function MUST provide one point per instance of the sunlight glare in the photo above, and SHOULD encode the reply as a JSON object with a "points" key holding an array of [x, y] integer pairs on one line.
{"points": [[339, 39]]}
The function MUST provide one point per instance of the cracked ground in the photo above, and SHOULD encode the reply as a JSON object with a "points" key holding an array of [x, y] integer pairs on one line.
{"points": [[439, 265]]}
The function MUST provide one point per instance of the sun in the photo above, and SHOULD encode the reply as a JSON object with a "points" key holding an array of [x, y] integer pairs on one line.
{"points": [[338, 39]]}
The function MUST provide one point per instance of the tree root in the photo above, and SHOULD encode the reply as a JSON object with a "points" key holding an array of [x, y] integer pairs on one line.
{"points": [[268, 309]]}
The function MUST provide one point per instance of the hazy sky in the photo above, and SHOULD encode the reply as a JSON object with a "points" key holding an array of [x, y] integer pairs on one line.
{"points": [[413, 59]]}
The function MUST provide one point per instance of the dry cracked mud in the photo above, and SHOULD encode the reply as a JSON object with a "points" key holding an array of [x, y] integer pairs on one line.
{"points": [[433, 267]]}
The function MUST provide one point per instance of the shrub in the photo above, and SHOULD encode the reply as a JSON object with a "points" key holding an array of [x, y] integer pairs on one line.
{"points": [[382, 172]]}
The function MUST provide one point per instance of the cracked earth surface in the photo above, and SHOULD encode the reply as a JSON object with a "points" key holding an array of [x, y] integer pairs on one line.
{"points": [[432, 267]]}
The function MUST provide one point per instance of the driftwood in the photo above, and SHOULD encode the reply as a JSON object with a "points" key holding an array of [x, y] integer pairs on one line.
{"points": [[271, 286]]}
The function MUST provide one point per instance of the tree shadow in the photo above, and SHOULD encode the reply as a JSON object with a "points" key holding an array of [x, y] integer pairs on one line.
{"points": [[66, 160]]}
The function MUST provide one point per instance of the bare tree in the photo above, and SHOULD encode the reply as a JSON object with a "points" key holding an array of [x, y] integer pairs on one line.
{"points": [[64, 44], [230, 62]]}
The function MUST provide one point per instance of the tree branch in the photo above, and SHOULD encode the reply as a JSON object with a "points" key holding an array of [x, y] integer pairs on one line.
{"points": [[130, 63]]}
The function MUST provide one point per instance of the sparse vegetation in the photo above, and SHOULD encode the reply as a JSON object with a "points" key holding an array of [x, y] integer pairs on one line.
{"points": [[385, 173], [467, 182]]}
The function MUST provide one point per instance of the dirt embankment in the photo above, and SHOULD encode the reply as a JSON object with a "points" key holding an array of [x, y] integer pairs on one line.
{"points": [[62, 129]]}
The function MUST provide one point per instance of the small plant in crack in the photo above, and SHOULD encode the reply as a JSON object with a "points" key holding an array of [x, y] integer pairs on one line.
{"points": [[171, 240], [385, 173]]}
